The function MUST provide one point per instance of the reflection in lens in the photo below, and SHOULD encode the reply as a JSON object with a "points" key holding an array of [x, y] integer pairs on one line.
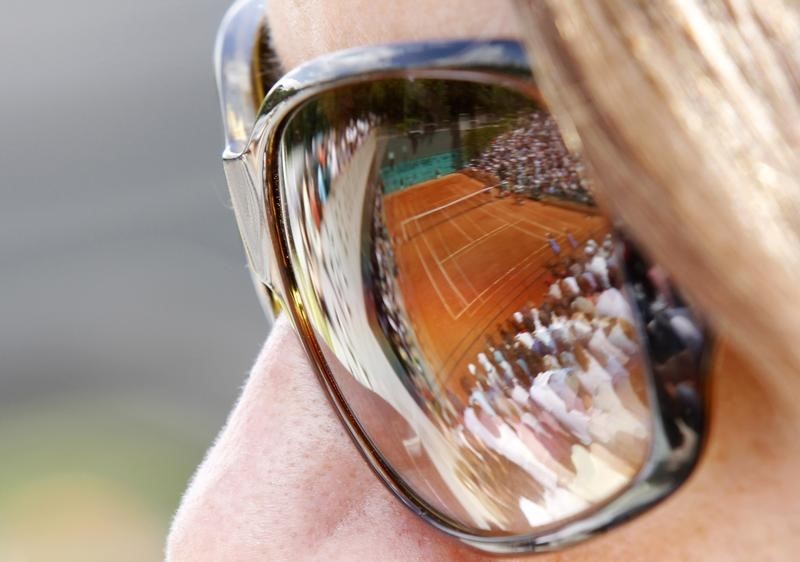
{"points": [[471, 301]]}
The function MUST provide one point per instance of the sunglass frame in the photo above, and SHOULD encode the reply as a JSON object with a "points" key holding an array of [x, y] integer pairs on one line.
{"points": [[251, 164]]}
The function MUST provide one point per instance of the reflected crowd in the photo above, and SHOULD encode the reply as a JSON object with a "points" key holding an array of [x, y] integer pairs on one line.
{"points": [[531, 160], [330, 150], [558, 376], [391, 312]]}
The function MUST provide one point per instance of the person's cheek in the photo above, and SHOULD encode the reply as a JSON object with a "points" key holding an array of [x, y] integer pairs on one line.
{"points": [[283, 480]]}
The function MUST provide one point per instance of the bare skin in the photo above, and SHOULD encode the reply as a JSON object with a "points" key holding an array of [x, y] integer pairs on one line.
{"points": [[284, 482]]}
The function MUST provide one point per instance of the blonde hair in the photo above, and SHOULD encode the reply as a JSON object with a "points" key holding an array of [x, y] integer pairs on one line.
{"points": [[688, 115]]}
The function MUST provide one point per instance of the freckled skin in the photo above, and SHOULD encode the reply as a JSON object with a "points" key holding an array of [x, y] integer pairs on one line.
{"points": [[284, 482]]}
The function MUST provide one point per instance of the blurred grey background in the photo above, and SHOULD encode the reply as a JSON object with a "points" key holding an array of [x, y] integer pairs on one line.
{"points": [[127, 319]]}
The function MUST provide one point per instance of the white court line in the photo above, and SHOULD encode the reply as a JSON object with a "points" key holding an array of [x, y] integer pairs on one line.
{"points": [[439, 234], [453, 202], [476, 241], [498, 280], [521, 219], [547, 229], [430, 275], [467, 236], [529, 232], [458, 265], [553, 228], [464, 275], [470, 240], [477, 226], [564, 224], [433, 282], [446, 276], [560, 237], [501, 218]]}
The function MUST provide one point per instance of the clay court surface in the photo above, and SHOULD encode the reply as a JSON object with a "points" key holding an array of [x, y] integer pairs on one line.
{"points": [[466, 267]]}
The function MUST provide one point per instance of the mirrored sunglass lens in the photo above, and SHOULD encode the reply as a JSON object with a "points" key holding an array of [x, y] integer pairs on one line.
{"points": [[470, 299]]}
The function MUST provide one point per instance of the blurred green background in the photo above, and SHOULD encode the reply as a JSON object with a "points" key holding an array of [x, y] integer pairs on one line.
{"points": [[127, 319]]}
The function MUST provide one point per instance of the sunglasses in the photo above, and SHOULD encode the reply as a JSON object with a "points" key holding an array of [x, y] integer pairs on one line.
{"points": [[508, 363]]}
